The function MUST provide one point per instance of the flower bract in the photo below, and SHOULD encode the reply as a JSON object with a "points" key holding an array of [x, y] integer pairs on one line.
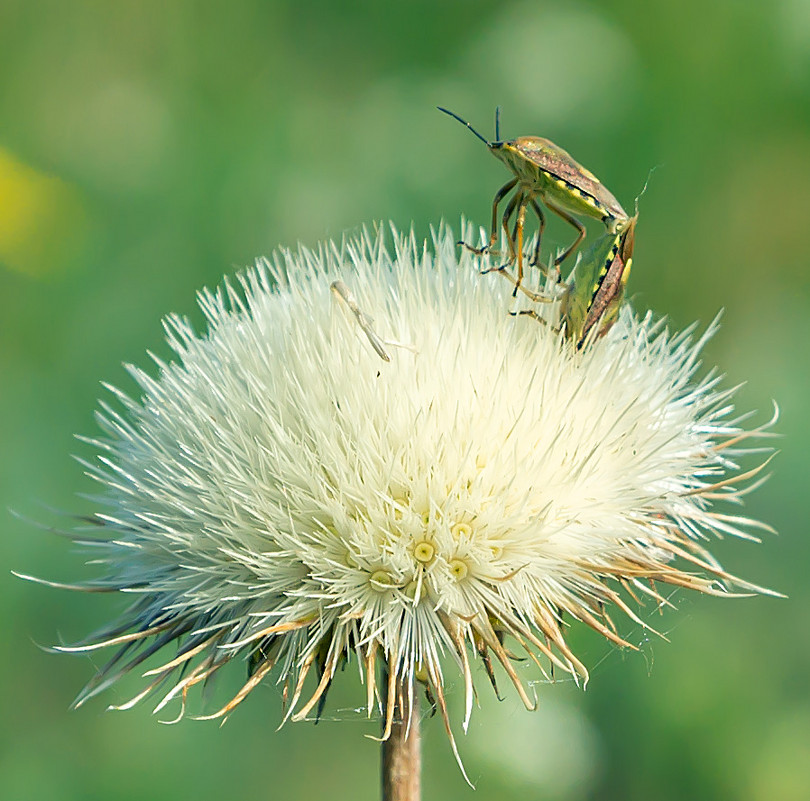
{"points": [[280, 496]]}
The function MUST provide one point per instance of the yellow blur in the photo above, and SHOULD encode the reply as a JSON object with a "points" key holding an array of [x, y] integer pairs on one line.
{"points": [[42, 219]]}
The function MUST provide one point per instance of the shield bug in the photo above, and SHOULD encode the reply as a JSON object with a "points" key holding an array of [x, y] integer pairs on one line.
{"points": [[546, 172], [595, 290]]}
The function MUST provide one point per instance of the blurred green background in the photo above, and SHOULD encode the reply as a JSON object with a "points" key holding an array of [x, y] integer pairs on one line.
{"points": [[148, 148]]}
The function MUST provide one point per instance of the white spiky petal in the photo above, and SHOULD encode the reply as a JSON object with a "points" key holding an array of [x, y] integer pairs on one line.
{"points": [[281, 495]]}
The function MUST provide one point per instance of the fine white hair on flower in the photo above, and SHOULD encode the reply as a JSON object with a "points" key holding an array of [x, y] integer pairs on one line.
{"points": [[282, 496]]}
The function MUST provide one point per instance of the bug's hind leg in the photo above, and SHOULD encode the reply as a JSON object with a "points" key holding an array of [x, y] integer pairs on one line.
{"points": [[530, 313], [535, 297], [517, 239], [576, 224], [535, 262]]}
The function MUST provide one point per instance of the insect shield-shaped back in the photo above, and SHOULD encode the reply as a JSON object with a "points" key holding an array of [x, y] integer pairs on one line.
{"points": [[597, 287], [545, 172], [560, 179]]}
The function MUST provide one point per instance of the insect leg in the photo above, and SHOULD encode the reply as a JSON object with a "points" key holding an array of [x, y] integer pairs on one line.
{"points": [[500, 195], [542, 218], [519, 201], [571, 221], [493, 231], [529, 313], [515, 241], [507, 216], [535, 297], [363, 320], [517, 236], [517, 198]]}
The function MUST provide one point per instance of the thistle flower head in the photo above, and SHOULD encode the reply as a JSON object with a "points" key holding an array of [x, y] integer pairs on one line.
{"points": [[282, 497]]}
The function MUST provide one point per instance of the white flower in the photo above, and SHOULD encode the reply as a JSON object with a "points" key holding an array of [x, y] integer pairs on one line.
{"points": [[282, 497]]}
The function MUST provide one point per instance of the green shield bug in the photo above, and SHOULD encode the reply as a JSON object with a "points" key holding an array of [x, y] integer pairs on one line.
{"points": [[544, 171], [595, 290]]}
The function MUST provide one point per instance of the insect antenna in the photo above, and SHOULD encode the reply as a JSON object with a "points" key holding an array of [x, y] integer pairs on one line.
{"points": [[467, 124], [497, 123], [646, 184]]}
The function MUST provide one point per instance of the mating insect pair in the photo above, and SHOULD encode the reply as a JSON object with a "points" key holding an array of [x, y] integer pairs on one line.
{"points": [[544, 171]]}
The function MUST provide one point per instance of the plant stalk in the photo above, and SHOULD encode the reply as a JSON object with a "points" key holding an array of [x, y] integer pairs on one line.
{"points": [[402, 754]]}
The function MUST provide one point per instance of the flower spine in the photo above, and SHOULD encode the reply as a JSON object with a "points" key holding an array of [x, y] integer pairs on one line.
{"points": [[282, 497]]}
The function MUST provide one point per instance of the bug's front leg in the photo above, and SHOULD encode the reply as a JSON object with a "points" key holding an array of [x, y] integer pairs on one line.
{"points": [[493, 231], [571, 221], [507, 216]]}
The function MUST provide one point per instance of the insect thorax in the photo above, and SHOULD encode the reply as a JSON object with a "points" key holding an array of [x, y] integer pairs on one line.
{"points": [[537, 181]]}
